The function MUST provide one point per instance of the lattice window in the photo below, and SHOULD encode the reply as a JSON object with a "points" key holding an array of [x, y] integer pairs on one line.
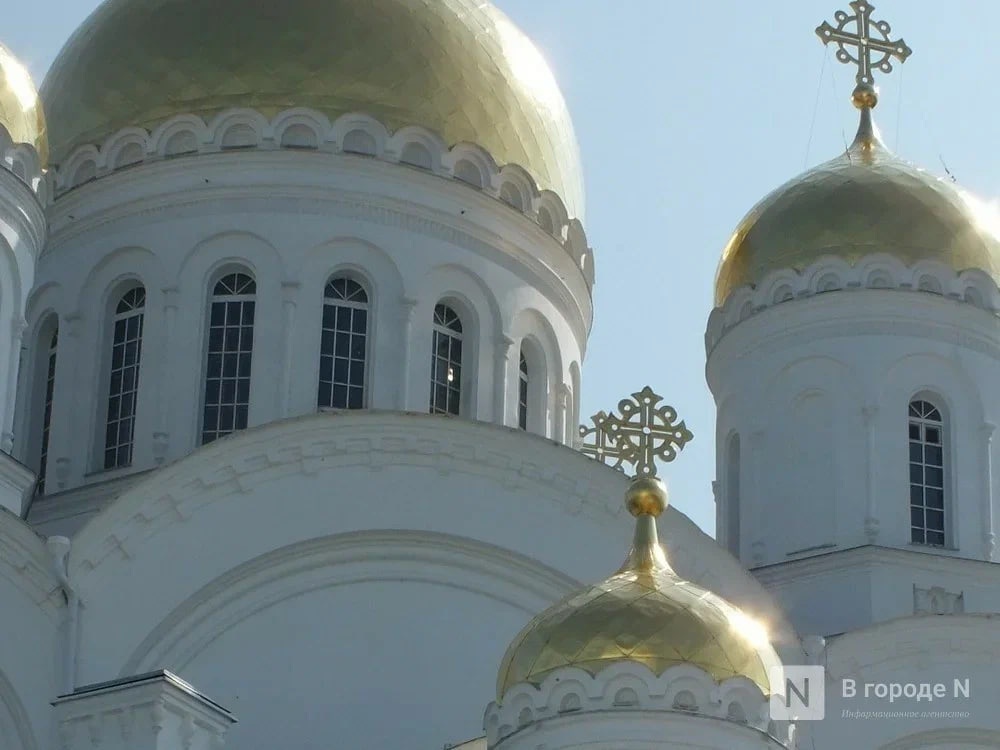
{"points": [[446, 362], [344, 346], [522, 393], [927, 512], [230, 355], [123, 388], [50, 385]]}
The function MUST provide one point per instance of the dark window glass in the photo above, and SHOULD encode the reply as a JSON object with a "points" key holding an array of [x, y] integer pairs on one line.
{"points": [[123, 388], [522, 393], [927, 474], [446, 362], [230, 355], [343, 346]]}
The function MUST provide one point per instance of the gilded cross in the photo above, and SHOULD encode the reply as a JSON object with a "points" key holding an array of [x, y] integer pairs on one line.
{"points": [[641, 432], [862, 39]]}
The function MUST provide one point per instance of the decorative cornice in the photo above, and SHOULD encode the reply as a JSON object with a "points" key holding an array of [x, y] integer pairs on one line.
{"points": [[327, 442], [831, 274], [25, 563], [304, 130], [546, 261], [25, 211], [630, 686]]}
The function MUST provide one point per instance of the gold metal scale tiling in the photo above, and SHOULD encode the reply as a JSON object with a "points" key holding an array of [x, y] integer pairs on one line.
{"points": [[458, 67]]}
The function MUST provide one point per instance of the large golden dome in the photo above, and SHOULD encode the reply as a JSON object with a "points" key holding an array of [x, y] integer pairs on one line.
{"points": [[20, 109], [644, 613], [865, 201], [459, 67]]}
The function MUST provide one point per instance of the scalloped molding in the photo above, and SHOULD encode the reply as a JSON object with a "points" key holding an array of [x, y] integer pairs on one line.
{"points": [[829, 273], [23, 161], [630, 686], [355, 135]]}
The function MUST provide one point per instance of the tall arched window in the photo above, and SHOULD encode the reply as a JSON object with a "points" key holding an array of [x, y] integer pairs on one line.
{"points": [[50, 384], [446, 362], [522, 393], [230, 354], [344, 345], [927, 515], [123, 388]]}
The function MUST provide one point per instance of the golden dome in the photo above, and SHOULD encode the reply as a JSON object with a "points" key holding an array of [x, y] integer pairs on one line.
{"points": [[459, 67], [20, 109], [644, 613], [865, 201]]}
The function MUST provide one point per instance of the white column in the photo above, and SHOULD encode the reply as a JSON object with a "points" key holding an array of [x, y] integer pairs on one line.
{"points": [[501, 379], [989, 535], [161, 433], [753, 501], [561, 412], [408, 306], [70, 420], [868, 414], [289, 293], [17, 328]]}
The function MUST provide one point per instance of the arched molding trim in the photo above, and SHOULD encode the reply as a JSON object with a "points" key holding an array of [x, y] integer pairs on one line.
{"points": [[24, 162], [880, 271], [343, 560], [16, 715], [300, 128], [946, 739]]}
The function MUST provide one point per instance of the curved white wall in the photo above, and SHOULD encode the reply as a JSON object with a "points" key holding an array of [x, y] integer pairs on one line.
{"points": [[293, 217], [817, 390], [22, 236]]}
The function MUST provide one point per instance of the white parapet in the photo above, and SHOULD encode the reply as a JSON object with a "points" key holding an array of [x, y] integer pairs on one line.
{"points": [[154, 711]]}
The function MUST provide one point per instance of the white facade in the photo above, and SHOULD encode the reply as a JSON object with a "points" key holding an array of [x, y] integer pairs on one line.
{"points": [[812, 436], [350, 577]]}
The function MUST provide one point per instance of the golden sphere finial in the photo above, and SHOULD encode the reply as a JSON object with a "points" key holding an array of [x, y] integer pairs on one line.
{"points": [[865, 96], [646, 496]]}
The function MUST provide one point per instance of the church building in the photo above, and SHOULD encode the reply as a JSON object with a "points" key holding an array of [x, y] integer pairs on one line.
{"points": [[294, 300]]}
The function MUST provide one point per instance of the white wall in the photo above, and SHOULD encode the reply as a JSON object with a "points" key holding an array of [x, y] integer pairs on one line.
{"points": [[293, 218], [309, 573]]}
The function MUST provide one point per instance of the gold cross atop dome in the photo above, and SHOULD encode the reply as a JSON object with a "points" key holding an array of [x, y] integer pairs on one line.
{"points": [[866, 44], [639, 434]]}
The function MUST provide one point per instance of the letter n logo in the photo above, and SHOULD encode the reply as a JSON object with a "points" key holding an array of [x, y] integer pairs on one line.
{"points": [[798, 693]]}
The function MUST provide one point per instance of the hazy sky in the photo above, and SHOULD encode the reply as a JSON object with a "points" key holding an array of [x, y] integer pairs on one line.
{"points": [[687, 114]]}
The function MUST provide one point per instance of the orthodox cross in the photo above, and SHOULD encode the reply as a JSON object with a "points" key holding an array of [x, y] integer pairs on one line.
{"points": [[862, 39], [641, 432]]}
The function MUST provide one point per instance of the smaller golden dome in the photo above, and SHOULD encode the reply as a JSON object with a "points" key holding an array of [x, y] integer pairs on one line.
{"points": [[20, 108], [645, 613], [866, 200]]}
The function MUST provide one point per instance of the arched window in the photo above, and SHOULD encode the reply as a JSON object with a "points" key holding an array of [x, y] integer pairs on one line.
{"points": [[230, 354], [344, 345], [123, 388], [50, 384], [927, 516], [446, 362], [522, 393]]}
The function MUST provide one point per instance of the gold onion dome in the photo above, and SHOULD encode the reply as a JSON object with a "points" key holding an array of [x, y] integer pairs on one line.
{"points": [[645, 613], [866, 200], [458, 67], [21, 112]]}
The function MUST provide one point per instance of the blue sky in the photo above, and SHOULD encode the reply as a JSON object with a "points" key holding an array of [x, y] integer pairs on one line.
{"points": [[687, 114]]}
